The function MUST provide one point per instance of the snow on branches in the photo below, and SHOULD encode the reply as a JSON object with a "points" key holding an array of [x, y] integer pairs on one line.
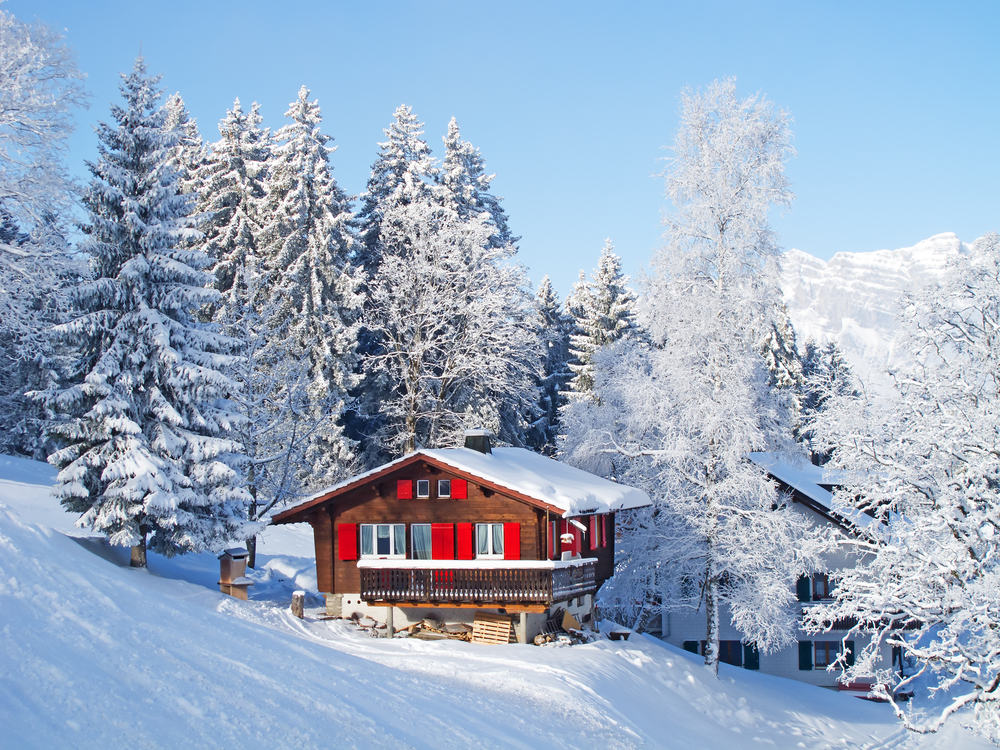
{"points": [[677, 412], [925, 462]]}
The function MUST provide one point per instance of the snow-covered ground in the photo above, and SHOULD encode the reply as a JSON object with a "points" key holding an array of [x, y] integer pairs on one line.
{"points": [[94, 654]]}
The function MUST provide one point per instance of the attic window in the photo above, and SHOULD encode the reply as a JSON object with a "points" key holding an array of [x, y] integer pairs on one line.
{"points": [[444, 488], [423, 488]]}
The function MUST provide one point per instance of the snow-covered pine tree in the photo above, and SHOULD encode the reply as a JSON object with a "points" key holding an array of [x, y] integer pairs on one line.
{"points": [[148, 454], [781, 355], [463, 175], [41, 87], [825, 374], [188, 156], [924, 461], [678, 412], [231, 193], [306, 246], [603, 311], [555, 327], [458, 346], [403, 172]]}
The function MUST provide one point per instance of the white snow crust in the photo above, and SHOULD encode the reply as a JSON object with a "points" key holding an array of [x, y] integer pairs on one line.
{"points": [[575, 491], [96, 655]]}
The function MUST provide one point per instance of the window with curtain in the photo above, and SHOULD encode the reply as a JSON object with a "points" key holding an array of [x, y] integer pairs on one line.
{"points": [[383, 540], [489, 540], [420, 541]]}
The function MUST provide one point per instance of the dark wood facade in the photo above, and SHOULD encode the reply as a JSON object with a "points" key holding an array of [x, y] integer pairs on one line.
{"points": [[373, 499]]}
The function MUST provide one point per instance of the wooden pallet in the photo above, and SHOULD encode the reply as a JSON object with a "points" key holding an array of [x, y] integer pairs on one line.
{"points": [[493, 629]]}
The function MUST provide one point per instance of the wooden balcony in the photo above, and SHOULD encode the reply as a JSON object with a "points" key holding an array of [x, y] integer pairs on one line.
{"points": [[533, 584]]}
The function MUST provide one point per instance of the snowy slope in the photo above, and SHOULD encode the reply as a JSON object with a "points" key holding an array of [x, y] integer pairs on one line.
{"points": [[852, 298], [95, 655]]}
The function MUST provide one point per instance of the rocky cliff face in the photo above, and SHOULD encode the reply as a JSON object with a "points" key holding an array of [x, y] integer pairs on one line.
{"points": [[852, 298]]}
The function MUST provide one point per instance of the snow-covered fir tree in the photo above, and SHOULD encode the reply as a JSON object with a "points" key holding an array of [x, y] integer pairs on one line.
{"points": [[306, 245], [189, 154], [603, 312], [148, 453], [924, 462], [463, 174], [678, 411], [403, 172], [458, 346], [555, 327], [41, 87], [825, 374], [781, 354], [232, 192]]}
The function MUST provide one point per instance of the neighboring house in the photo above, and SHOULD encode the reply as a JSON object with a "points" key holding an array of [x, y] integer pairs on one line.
{"points": [[448, 532], [809, 489]]}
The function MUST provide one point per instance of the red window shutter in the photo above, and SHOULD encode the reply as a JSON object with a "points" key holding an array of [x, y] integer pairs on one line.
{"points": [[347, 541], [593, 532], [459, 490], [577, 540], [512, 541], [604, 529], [552, 540], [464, 538], [564, 529], [443, 541], [404, 489]]}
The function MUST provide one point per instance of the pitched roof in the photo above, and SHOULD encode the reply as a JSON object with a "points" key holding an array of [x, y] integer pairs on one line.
{"points": [[808, 480], [521, 473]]}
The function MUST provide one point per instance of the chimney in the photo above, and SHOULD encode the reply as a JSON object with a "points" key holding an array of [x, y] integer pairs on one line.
{"points": [[478, 440]]}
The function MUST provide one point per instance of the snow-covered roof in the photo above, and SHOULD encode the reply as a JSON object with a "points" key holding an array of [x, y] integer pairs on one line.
{"points": [[551, 482], [803, 476], [573, 490]]}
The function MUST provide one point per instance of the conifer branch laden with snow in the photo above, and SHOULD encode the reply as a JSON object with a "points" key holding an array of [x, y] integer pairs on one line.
{"points": [[925, 462]]}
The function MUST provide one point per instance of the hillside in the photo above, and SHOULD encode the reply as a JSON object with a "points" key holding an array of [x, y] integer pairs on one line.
{"points": [[852, 298], [96, 655]]}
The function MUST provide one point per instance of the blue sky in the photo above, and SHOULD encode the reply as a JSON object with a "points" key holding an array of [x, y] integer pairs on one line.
{"points": [[895, 105]]}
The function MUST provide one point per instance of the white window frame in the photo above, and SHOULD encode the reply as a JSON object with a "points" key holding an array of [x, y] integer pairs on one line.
{"points": [[442, 483], [395, 554], [490, 532], [427, 492]]}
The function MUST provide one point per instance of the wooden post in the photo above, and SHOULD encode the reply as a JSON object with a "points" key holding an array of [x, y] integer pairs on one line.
{"points": [[299, 604], [522, 634], [389, 630]]}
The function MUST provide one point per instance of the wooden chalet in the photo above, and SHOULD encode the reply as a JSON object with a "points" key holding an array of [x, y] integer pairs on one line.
{"points": [[474, 528]]}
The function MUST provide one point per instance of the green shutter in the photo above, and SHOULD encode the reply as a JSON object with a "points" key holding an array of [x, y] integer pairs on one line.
{"points": [[850, 657], [751, 656], [691, 646], [802, 591], [805, 655]]}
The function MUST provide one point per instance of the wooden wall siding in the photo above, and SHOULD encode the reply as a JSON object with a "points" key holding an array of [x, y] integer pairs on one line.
{"points": [[323, 539]]}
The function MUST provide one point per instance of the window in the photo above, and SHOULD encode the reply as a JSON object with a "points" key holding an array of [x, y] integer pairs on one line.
{"points": [[423, 488], [383, 540], [821, 587], [420, 541], [826, 653], [444, 488], [489, 540]]}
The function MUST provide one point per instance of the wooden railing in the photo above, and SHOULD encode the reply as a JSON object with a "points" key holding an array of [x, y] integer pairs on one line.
{"points": [[476, 585]]}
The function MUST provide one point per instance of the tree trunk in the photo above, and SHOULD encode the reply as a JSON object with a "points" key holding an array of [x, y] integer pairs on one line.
{"points": [[252, 515], [138, 559], [712, 612]]}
